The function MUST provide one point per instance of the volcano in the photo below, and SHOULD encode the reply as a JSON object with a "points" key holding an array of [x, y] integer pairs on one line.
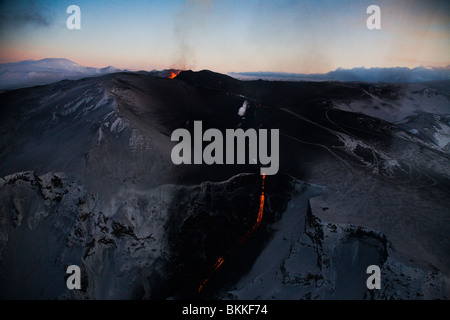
{"points": [[87, 180]]}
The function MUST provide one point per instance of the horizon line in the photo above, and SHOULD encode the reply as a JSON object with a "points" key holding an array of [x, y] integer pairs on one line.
{"points": [[446, 66]]}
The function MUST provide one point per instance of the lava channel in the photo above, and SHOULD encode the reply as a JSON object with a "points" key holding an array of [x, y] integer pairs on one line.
{"points": [[243, 239]]}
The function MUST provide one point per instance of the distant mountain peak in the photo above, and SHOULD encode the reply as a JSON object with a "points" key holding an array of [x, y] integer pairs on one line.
{"points": [[45, 71], [363, 74]]}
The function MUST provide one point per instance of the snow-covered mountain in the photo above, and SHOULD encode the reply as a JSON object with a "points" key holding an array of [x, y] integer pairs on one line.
{"points": [[393, 75], [87, 179], [31, 72]]}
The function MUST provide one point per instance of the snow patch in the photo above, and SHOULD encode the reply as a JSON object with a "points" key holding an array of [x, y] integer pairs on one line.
{"points": [[137, 141], [101, 136], [118, 125], [70, 108], [242, 110], [442, 135], [103, 101]]}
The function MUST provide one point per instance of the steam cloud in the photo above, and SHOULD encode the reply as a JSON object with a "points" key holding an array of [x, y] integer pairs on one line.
{"points": [[189, 27]]}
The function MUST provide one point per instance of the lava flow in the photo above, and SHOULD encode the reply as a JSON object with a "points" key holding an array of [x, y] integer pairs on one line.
{"points": [[244, 238], [173, 74], [260, 214], [216, 266]]}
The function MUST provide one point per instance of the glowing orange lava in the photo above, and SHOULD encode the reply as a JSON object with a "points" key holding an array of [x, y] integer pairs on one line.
{"points": [[173, 74], [261, 204], [216, 266], [243, 238], [260, 214], [219, 263]]}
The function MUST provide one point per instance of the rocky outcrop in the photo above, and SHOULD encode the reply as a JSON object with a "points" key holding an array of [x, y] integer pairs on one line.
{"points": [[329, 261]]}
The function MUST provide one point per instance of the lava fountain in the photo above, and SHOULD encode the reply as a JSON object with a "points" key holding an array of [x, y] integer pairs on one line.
{"points": [[173, 73]]}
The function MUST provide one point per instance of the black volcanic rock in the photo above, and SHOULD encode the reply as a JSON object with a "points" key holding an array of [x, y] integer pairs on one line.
{"points": [[207, 79]]}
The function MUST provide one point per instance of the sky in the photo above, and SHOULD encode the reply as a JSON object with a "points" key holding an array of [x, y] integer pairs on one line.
{"points": [[310, 36]]}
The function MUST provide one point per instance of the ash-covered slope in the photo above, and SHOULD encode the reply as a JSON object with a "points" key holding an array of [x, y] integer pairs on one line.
{"points": [[378, 174], [422, 109], [88, 180]]}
